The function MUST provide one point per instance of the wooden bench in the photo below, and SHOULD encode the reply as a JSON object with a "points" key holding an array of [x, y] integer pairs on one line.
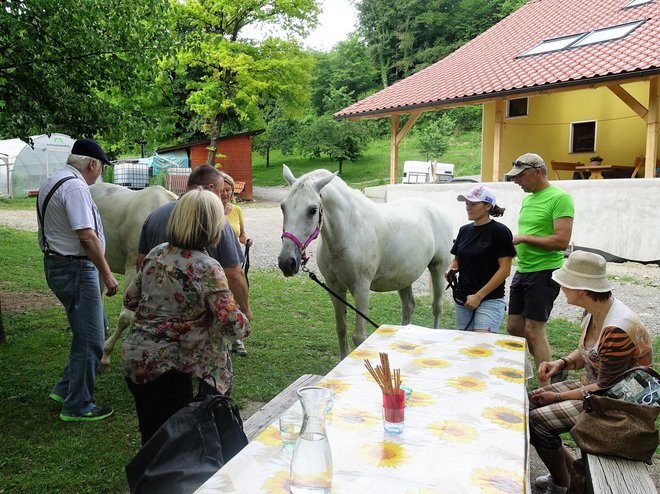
{"points": [[609, 475], [268, 413], [566, 166]]}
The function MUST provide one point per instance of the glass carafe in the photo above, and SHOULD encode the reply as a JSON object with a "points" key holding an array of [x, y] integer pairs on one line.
{"points": [[311, 465]]}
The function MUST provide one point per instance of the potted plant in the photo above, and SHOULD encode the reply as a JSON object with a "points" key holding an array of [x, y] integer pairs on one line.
{"points": [[595, 160]]}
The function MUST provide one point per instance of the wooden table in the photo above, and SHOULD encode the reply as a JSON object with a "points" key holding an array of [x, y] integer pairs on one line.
{"points": [[597, 170], [466, 421]]}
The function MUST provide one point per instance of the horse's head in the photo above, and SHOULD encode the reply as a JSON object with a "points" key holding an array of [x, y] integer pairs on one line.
{"points": [[303, 217]]}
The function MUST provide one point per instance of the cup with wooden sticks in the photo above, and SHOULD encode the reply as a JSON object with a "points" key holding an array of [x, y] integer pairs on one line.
{"points": [[394, 398]]}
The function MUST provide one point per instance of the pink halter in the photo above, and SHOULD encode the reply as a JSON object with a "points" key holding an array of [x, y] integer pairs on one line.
{"points": [[302, 246]]}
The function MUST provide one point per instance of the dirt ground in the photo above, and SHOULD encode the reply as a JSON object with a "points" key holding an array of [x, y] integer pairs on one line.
{"points": [[17, 302]]}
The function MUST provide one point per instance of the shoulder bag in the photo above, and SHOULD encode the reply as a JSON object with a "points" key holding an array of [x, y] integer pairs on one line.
{"points": [[620, 419], [189, 448]]}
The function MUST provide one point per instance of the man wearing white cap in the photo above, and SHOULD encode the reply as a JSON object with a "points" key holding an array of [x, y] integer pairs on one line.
{"points": [[545, 225], [71, 238]]}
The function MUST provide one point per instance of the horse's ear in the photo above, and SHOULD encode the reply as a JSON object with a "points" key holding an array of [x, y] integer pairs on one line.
{"points": [[288, 175], [319, 184]]}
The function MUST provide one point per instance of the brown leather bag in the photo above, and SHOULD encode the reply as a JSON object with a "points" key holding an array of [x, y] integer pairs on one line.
{"points": [[615, 427]]}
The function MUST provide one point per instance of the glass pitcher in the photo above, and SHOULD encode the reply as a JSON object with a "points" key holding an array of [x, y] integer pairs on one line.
{"points": [[311, 465]]}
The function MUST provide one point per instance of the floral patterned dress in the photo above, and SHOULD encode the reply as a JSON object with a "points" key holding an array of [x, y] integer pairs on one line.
{"points": [[183, 309]]}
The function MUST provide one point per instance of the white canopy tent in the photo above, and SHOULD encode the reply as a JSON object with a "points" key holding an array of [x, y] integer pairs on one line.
{"points": [[23, 167]]}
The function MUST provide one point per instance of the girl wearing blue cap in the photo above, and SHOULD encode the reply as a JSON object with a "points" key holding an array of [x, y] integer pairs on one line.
{"points": [[483, 251]]}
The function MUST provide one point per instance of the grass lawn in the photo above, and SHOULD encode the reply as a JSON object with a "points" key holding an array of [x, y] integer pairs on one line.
{"points": [[373, 168], [293, 334]]}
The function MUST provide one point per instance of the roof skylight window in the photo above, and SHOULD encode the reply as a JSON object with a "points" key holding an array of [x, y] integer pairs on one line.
{"points": [[576, 40], [635, 3], [608, 34], [553, 45]]}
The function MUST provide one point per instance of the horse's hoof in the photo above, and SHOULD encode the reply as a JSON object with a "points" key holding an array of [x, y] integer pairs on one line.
{"points": [[104, 366]]}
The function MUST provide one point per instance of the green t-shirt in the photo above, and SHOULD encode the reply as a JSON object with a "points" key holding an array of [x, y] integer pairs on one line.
{"points": [[537, 215]]}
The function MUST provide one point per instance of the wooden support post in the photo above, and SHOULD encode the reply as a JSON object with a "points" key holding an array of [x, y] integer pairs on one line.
{"points": [[497, 139], [394, 150], [652, 129]]}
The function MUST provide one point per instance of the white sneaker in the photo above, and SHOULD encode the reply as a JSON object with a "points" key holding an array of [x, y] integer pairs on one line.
{"points": [[544, 481], [555, 489], [547, 485], [238, 347]]}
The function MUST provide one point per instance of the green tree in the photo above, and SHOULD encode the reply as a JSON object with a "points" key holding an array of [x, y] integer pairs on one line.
{"points": [[59, 61], [433, 136], [228, 75], [347, 65], [339, 141], [405, 36], [279, 134]]}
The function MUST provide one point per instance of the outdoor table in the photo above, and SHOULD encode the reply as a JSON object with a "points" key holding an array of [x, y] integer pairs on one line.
{"points": [[465, 421], [597, 170]]}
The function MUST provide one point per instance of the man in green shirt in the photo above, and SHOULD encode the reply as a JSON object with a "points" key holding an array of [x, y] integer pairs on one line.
{"points": [[545, 225]]}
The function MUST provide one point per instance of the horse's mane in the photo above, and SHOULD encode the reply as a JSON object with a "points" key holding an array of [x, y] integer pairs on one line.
{"points": [[337, 184]]}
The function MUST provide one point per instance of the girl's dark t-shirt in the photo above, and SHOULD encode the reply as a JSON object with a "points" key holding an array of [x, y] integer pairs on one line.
{"points": [[477, 249]]}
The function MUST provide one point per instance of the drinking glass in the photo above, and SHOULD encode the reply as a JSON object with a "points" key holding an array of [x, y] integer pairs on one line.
{"points": [[290, 423], [394, 407]]}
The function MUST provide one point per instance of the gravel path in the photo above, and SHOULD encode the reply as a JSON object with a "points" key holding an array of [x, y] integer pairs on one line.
{"points": [[637, 285]]}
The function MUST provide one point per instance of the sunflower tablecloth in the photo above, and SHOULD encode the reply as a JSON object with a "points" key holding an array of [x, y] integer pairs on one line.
{"points": [[465, 430]]}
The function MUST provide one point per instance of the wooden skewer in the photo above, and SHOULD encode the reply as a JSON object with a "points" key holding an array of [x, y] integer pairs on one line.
{"points": [[376, 374], [385, 362], [397, 381], [389, 382]]}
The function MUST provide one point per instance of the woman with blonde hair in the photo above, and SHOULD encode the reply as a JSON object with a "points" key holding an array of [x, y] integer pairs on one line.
{"points": [[183, 309], [234, 215]]}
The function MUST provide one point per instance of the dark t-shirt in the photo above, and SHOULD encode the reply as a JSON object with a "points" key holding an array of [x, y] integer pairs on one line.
{"points": [[227, 252], [477, 249]]}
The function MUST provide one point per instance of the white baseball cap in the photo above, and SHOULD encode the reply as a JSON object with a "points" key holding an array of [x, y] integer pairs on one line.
{"points": [[478, 193], [527, 160]]}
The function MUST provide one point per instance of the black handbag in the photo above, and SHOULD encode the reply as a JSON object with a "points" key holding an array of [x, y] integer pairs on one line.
{"points": [[189, 448], [620, 419]]}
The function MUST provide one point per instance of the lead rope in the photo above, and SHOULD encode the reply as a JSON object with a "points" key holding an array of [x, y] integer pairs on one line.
{"points": [[338, 297], [453, 284], [246, 263]]}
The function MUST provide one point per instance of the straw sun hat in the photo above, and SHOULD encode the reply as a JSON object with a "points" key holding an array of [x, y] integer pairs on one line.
{"points": [[584, 271]]}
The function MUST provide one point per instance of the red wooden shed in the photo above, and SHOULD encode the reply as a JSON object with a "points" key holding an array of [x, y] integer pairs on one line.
{"points": [[236, 160]]}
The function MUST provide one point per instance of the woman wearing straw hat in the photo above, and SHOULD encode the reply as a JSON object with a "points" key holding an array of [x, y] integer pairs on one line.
{"points": [[613, 340]]}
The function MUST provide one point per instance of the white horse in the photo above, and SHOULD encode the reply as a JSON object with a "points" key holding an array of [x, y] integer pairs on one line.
{"points": [[123, 212], [364, 246]]}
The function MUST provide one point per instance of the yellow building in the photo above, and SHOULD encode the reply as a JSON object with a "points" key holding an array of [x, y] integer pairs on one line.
{"points": [[567, 126], [566, 79]]}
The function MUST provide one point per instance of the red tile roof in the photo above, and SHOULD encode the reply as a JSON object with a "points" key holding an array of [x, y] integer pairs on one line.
{"points": [[490, 64]]}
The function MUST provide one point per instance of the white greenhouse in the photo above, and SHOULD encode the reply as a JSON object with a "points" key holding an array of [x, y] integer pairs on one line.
{"points": [[23, 167]]}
